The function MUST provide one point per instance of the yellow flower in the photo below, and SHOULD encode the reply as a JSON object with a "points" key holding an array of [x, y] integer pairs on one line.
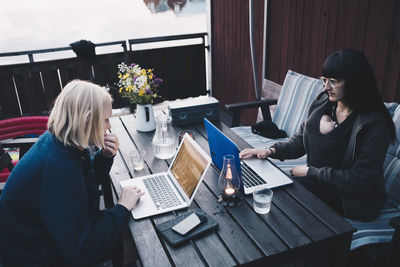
{"points": [[125, 76], [151, 76], [143, 72], [141, 92], [119, 76], [120, 89]]}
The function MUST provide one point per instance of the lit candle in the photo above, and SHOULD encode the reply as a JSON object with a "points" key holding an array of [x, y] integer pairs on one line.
{"points": [[229, 191], [229, 173]]}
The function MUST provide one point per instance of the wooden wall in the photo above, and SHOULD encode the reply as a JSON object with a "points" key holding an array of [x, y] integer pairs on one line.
{"points": [[232, 79], [300, 35]]}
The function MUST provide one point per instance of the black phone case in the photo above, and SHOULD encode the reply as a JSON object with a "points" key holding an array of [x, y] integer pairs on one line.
{"points": [[175, 239]]}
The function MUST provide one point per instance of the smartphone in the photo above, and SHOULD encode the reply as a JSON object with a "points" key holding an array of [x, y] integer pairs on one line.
{"points": [[187, 224]]}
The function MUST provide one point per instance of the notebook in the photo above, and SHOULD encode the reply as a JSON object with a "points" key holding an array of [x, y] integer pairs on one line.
{"points": [[176, 188], [255, 173]]}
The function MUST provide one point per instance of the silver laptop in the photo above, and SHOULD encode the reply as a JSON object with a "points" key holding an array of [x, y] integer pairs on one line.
{"points": [[174, 189], [256, 173]]}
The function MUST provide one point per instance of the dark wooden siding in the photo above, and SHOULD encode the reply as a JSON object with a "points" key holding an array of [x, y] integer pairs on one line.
{"points": [[318, 28], [300, 35], [36, 85], [232, 79]]}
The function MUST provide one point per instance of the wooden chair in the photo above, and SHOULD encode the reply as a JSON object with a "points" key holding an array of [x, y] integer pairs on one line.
{"points": [[28, 128], [295, 97], [385, 230]]}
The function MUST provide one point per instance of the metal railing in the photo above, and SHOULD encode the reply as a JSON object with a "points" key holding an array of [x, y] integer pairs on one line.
{"points": [[202, 35]]}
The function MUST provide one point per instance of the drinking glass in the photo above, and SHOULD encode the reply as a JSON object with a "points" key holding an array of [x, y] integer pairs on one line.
{"points": [[262, 200], [137, 159]]}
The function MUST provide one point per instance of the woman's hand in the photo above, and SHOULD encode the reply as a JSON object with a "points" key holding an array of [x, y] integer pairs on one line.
{"points": [[130, 196], [111, 145], [260, 153], [299, 171]]}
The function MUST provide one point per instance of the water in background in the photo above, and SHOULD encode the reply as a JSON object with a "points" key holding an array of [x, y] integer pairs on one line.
{"points": [[42, 24]]}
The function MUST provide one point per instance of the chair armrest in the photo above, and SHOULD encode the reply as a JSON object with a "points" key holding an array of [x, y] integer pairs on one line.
{"points": [[17, 141], [237, 108]]}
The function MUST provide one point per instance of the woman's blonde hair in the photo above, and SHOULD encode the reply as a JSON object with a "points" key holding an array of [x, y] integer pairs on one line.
{"points": [[77, 117]]}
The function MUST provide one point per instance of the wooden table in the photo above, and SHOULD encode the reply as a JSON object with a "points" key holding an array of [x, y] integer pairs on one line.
{"points": [[299, 229]]}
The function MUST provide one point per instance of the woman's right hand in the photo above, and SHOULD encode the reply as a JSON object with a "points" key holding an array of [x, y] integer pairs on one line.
{"points": [[130, 196], [250, 152]]}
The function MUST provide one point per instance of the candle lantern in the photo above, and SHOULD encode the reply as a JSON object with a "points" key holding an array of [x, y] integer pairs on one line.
{"points": [[229, 181]]}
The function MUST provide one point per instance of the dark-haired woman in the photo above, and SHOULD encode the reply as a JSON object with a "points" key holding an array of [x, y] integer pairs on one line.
{"points": [[344, 163]]}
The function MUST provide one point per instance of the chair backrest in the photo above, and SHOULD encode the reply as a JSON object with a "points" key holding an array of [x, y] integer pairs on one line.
{"points": [[391, 165], [298, 92], [20, 126]]}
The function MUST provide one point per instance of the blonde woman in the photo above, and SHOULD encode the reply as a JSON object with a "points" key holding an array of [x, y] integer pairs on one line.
{"points": [[49, 208]]}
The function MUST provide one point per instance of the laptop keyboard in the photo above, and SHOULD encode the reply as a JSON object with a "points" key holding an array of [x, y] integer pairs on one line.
{"points": [[161, 192], [250, 177]]}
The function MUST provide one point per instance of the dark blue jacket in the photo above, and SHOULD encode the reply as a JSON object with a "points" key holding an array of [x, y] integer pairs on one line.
{"points": [[49, 208]]}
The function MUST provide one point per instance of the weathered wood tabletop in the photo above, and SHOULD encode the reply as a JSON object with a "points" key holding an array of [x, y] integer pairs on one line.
{"points": [[300, 230]]}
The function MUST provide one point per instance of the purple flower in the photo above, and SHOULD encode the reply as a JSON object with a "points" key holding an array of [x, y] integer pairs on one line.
{"points": [[133, 64], [158, 81], [148, 91]]}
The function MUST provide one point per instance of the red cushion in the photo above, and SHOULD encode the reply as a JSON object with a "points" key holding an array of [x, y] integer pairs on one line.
{"points": [[11, 128], [4, 176], [20, 126]]}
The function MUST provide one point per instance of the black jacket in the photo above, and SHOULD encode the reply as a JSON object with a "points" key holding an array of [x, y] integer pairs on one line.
{"points": [[359, 181]]}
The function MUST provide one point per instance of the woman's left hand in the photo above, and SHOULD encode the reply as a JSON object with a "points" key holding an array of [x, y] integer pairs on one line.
{"points": [[299, 171], [111, 145]]}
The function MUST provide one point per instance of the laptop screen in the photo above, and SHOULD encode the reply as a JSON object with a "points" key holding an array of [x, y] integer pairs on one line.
{"points": [[188, 167], [220, 145]]}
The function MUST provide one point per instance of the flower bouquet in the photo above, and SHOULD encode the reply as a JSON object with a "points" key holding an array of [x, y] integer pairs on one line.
{"points": [[137, 84]]}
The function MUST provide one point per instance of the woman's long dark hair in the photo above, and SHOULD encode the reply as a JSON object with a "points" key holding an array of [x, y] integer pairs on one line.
{"points": [[361, 92]]}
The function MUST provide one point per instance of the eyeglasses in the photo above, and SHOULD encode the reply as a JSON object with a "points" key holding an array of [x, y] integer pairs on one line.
{"points": [[333, 82]]}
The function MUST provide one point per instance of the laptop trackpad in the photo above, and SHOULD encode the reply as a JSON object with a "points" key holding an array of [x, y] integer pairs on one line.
{"points": [[268, 172], [259, 165]]}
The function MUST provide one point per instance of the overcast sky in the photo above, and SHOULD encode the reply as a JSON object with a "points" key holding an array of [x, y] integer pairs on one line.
{"points": [[41, 24]]}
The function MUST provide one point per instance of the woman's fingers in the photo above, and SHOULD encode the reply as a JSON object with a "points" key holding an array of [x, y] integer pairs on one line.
{"points": [[129, 196], [249, 152], [246, 153], [111, 145]]}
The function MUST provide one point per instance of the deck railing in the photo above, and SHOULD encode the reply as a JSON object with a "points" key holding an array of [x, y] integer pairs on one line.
{"points": [[30, 88]]}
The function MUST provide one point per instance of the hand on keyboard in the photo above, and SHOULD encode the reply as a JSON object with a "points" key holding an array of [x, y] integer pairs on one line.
{"points": [[130, 196], [250, 152]]}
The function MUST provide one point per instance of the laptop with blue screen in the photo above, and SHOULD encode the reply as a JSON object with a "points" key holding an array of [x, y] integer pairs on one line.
{"points": [[255, 173]]}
